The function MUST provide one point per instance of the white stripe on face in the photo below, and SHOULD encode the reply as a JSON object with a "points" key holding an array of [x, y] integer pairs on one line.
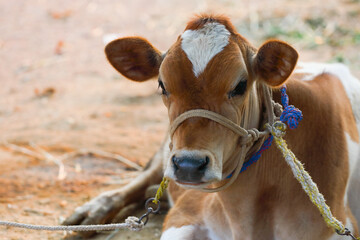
{"points": [[203, 44]]}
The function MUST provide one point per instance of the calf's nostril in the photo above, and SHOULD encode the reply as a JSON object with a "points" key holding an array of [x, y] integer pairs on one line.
{"points": [[190, 167], [204, 163], [175, 162]]}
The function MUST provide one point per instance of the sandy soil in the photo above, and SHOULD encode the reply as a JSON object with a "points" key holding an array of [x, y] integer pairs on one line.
{"points": [[59, 95]]}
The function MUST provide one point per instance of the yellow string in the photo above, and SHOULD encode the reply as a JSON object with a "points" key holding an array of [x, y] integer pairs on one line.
{"points": [[278, 130], [163, 185]]}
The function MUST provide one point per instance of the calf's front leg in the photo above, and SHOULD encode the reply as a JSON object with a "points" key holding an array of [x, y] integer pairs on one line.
{"points": [[103, 208]]}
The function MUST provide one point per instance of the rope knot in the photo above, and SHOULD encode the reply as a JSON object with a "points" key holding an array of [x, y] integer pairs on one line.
{"points": [[278, 109], [254, 133], [292, 116], [134, 223], [277, 129]]}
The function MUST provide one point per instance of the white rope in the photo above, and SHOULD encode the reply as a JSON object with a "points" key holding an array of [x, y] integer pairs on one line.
{"points": [[303, 177], [132, 223]]}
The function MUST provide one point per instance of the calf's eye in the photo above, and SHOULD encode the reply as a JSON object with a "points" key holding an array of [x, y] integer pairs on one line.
{"points": [[239, 89], [163, 90]]}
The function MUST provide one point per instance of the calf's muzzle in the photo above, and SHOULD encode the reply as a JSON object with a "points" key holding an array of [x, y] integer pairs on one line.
{"points": [[190, 169]]}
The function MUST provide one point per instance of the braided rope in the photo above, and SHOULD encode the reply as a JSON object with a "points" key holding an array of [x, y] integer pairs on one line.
{"points": [[132, 223], [248, 135], [163, 186], [291, 115], [305, 179], [257, 155]]}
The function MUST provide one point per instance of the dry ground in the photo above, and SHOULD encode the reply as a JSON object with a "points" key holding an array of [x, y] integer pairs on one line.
{"points": [[59, 94]]}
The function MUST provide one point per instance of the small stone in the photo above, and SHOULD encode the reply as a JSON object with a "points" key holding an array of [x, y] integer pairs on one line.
{"points": [[63, 203]]}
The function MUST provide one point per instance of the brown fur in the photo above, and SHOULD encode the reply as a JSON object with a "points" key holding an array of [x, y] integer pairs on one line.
{"points": [[266, 195], [270, 185], [134, 57], [200, 20], [273, 61]]}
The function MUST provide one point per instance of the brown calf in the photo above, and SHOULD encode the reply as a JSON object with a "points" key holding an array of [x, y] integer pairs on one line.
{"points": [[212, 67]]}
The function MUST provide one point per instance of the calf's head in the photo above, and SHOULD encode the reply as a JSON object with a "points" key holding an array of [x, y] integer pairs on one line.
{"points": [[211, 67]]}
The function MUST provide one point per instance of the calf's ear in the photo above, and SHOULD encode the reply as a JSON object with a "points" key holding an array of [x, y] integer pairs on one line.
{"points": [[134, 57], [274, 62]]}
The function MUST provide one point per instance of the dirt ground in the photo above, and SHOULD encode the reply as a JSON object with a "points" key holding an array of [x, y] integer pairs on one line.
{"points": [[63, 109]]}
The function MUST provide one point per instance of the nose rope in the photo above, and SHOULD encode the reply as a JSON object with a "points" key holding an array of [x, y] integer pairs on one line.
{"points": [[255, 134], [249, 135], [210, 115]]}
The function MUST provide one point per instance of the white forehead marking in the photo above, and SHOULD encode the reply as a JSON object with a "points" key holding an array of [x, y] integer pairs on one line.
{"points": [[203, 44]]}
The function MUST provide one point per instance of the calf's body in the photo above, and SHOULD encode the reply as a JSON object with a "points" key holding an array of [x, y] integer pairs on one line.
{"points": [[212, 67], [266, 201]]}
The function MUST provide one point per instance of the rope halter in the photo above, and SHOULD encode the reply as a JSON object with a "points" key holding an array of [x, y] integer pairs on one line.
{"points": [[252, 139], [250, 135]]}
